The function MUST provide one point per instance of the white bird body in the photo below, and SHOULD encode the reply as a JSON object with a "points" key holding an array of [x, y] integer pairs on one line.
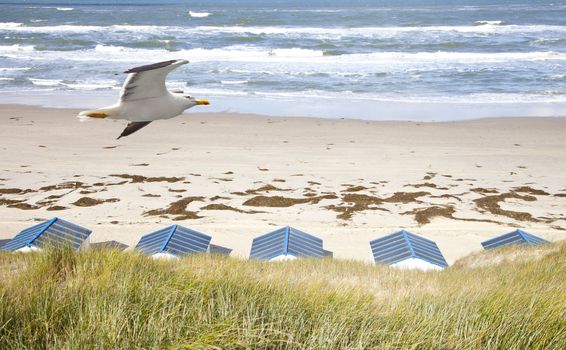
{"points": [[150, 109], [144, 98]]}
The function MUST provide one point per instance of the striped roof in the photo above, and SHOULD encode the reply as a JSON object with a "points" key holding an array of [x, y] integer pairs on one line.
{"points": [[176, 240], [286, 241], [404, 245], [55, 232], [514, 237]]}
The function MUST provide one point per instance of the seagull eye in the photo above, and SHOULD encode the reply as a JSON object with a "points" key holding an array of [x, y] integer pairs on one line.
{"points": [[188, 96]]}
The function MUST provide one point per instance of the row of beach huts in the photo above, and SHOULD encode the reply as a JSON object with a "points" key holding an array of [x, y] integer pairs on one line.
{"points": [[400, 249]]}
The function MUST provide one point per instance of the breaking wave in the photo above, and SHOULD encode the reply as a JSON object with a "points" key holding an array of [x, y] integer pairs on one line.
{"points": [[199, 14], [256, 54], [479, 28]]}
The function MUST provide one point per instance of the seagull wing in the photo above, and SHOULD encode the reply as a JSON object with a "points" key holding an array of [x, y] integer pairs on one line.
{"points": [[148, 81], [132, 127]]}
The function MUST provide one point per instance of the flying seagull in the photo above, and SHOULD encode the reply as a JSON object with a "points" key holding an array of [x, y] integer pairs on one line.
{"points": [[144, 98]]}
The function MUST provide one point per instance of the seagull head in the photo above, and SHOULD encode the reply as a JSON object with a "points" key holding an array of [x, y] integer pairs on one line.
{"points": [[191, 101]]}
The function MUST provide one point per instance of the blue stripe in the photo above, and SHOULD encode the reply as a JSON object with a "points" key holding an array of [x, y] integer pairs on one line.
{"points": [[266, 243], [270, 252], [395, 259], [260, 238], [402, 245], [197, 238]]}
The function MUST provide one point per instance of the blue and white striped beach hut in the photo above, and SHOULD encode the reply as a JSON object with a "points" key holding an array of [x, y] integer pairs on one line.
{"points": [[407, 250], [514, 237], [54, 232], [173, 242], [287, 243]]}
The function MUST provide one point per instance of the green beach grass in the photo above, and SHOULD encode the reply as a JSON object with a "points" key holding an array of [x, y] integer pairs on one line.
{"points": [[106, 299]]}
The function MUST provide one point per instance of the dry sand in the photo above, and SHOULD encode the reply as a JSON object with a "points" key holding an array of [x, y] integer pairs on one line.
{"points": [[235, 177]]}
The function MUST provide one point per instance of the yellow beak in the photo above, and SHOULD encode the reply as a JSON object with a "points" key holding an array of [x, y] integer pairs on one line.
{"points": [[202, 102]]}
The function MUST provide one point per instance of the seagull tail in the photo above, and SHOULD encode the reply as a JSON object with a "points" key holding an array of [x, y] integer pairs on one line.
{"points": [[100, 113]]}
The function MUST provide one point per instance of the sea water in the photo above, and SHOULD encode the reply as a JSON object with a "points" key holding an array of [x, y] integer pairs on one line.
{"points": [[413, 60]]}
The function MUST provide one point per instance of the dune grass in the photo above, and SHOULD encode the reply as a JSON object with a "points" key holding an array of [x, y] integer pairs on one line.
{"points": [[59, 299]]}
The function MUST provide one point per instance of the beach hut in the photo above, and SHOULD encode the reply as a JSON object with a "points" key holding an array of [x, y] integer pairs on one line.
{"points": [[514, 237], [287, 243], [55, 232], [108, 245], [220, 250], [407, 250], [173, 242]]}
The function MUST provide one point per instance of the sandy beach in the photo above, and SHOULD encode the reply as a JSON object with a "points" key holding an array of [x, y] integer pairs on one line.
{"points": [[236, 176]]}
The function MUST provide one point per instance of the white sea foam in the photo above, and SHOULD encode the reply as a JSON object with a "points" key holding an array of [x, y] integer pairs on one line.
{"points": [[45, 82], [6, 79], [92, 85], [233, 82], [13, 69], [320, 32], [199, 14], [478, 98], [9, 25], [65, 9], [377, 31], [492, 23], [296, 52], [16, 48], [293, 55]]}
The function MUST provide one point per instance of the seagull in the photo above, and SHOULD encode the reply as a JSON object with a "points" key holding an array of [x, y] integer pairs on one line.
{"points": [[145, 98]]}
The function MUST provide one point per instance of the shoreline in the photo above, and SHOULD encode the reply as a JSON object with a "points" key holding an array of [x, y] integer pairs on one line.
{"points": [[346, 107], [346, 181]]}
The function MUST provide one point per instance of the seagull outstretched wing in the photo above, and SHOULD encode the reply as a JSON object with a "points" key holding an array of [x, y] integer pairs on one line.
{"points": [[148, 81], [132, 127]]}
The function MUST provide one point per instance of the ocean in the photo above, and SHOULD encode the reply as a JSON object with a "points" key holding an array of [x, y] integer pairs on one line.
{"points": [[412, 60]]}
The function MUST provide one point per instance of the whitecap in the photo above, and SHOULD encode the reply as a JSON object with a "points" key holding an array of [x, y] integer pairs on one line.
{"points": [[233, 82], [94, 85], [45, 82], [491, 23], [16, 48], [199, 14], [296, 52], [10, 25], [13, 69], [299, 32], [65, 9]]}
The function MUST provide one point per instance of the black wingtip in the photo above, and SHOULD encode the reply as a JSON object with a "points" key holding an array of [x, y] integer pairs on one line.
{"points": [[150, 66], [132, 127]]}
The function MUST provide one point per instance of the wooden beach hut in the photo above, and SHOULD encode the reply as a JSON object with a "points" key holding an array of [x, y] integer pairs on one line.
{"points": [[407, 250], [54, 232], [514, 237], [287, 243], [173, 242]]}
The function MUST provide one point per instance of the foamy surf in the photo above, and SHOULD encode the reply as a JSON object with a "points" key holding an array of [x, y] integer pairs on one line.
{"points": [[490, 23], [432, 50], [233, 82], [199, 14], [238, 53], [318, 32], [45, 82]]}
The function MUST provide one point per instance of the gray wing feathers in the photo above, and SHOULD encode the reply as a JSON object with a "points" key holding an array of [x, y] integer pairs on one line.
{"points": [[148, 81]]}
